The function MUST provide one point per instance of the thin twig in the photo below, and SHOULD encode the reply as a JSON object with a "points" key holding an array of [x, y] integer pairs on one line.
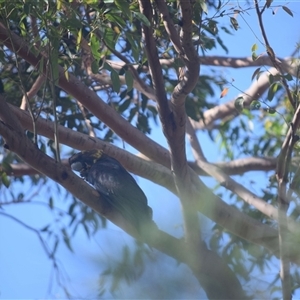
{"points": [[272, 55], [36, 231], [22, 84], [33, 91]]}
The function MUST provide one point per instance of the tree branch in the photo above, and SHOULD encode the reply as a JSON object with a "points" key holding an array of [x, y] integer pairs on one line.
{"points": [[91, 101], [169, 26], [272, 55], [228, 110], [244, 226], [32, 92], [18, 142]]}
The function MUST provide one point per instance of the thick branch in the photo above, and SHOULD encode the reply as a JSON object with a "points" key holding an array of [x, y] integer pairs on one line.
{"points": [[18, 142], [145, 168], [225, 61], [220, 212], [243, 226]]}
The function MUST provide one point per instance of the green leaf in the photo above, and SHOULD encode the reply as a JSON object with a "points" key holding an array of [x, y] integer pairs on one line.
{"points": [[255, 105], [129, 80], [286, 9], [134, 46], [6, 167], [124, 7], [239, 103], [23, 29], [272, 90], [95, 67], [119, 19], [254, 47], [95, 47], [271, 110], [124, 105], [288, 77], [110, 37], [255, 73], [54, 60], [115, 81], [142, 18], [5, 180], [78, 39]]}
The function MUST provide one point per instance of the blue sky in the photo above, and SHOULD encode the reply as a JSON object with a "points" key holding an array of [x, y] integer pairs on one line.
{"points": [[25, 270]]}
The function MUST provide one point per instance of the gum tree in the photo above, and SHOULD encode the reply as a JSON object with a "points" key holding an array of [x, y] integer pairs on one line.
{"points": [[85, 74]]}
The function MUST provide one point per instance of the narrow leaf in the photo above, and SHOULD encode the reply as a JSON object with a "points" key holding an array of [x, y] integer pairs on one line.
{"points": [[5, 180], [254, 56], [288, 77], [234, 23], [124, 7], [115, 81], [204, 7], [272, 90], [271, 110], [268, 3], [78, 40], [255, 73], [224, 92], [129, 80], [142, 18], [287, 10], [254, 48]]}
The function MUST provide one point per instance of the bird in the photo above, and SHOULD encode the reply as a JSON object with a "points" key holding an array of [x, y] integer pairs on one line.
{"points": [[114, 184]]}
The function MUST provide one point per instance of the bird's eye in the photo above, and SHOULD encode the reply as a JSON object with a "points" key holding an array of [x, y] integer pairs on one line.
{"points": [[77, 166]]}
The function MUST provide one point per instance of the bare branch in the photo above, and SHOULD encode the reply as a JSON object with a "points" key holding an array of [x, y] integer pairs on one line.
{"points": [[241, 165], [229, 62], [33, 91], [272, 55], [169, 26], [196, 147], [144, 168], [237, 222], [283, 166]]}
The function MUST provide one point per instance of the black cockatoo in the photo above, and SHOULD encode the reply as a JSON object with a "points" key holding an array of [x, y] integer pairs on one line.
{"points": [[114, 184]]}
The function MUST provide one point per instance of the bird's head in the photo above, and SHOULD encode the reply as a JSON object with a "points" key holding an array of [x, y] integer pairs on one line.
{"points": [[82, 161]]}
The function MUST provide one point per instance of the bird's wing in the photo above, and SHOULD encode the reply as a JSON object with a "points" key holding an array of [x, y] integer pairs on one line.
{"points": [[121, 189]]}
